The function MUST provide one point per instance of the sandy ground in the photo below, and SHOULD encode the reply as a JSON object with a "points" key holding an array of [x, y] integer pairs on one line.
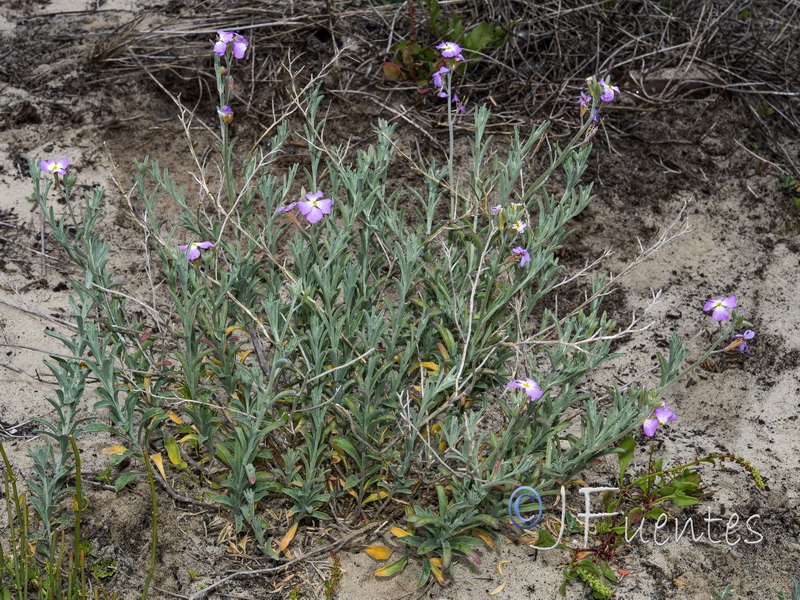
{"points": [[691, 160]]}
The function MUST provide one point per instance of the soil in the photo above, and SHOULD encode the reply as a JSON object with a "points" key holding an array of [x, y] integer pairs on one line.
{"points": [[701, 161]]}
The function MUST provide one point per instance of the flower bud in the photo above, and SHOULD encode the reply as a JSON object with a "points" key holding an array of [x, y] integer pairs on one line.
{"points": [[225, 114]]}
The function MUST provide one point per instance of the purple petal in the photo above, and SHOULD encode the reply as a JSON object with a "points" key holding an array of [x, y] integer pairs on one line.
{"points": [[205, 245], [324, 206], [650, 427], [239, 46], [314, 215], [305, 207], [664, 414], [720, 314], [220, 47], [315, 196]]}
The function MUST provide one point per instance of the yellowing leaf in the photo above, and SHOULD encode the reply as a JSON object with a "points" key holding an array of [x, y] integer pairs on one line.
{"points": [[159, 463], [436, 562], [500, 566], [287, 539], [173, 417], [114, 450], [393, 568], [437, 572], [443, 351], [243, 355], [437, 428], [173, 452], [498, 589], [186, 438], [485, 537], [397, 532], [431, 366], [379, 552], [233, 328], [146, 385], [376, 496]]}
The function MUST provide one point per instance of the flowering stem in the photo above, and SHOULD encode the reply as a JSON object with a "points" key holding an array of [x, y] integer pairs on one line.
{"points": [[223, 90], [453, 196]]}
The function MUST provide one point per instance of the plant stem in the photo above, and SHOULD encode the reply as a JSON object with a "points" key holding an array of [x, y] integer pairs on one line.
{"points": [[453, 196], [154, 526]]}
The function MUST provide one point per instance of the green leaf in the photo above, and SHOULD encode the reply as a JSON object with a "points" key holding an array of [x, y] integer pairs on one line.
{"points": [[626, 448], [393, 568], [545, 539], [608, 573], [126, 478], [483, 35]]}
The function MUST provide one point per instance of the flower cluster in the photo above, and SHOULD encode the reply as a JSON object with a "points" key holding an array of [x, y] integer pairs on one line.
{"points": [[660, 417], [226, 39], [54, 167], [605, 92], [451, 53], [313, 209]]}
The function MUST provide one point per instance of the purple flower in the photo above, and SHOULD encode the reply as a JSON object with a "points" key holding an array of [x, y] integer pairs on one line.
{"points": [[437, 77], [194, 249], [450, 50], [287, 207], [661, 415], [239, 45], [721, 307], [226, 37], [608, 91], [315, 207], [519, 226], [747, 335], [524, 257], [531, 388], [221, 43], [664, 414], [584, 101], [497, 208], [54, 167], [225, 114]]}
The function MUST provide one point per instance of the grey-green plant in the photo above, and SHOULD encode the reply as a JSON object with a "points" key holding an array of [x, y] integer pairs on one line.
{"points": [[795, 590], [344, 367]]}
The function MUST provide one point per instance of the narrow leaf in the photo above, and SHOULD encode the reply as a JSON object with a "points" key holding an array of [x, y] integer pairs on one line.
{"points": [[287, 539], [379, 552], [159, 463], [393, 568]]}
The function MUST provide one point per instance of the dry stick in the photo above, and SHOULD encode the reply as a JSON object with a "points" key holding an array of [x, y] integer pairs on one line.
{"points": [[325, 549]]}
